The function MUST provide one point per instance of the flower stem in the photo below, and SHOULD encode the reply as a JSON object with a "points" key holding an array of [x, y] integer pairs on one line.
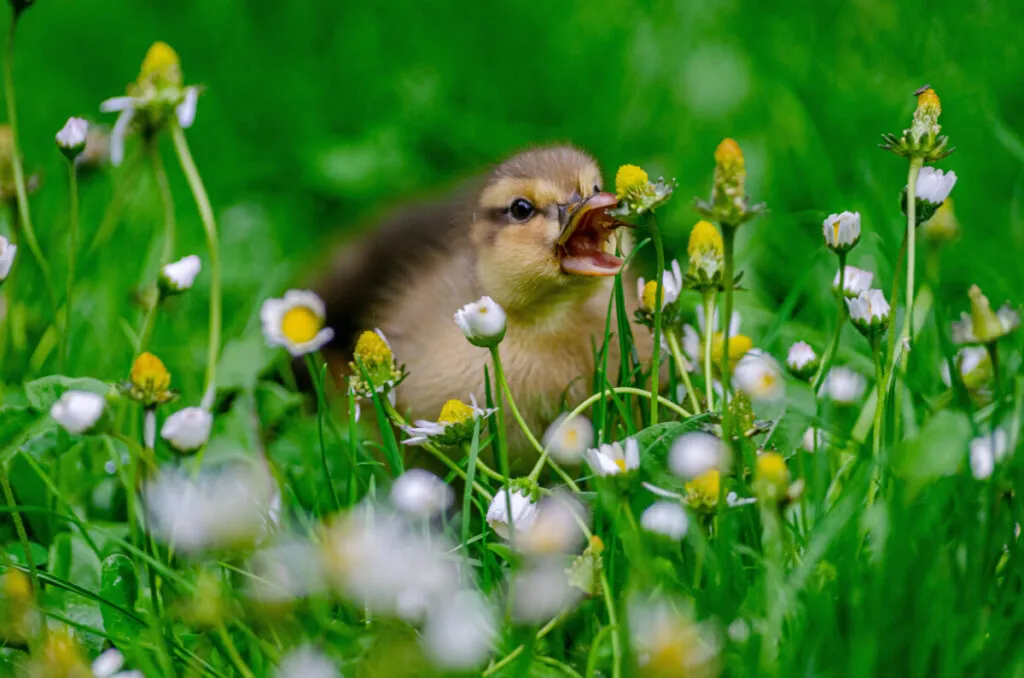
{"points": [[24, 215], [499, 373], [684, 374], [72, 253], [915, 168], [728, 276], [659, 291], [709, 320], [316, 375], [19, 527], [876, 351], [195, 183], [833, 347], [166, 201]]}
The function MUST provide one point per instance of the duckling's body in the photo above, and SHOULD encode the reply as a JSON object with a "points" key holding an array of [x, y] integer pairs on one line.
{"points": [[410, 276]]}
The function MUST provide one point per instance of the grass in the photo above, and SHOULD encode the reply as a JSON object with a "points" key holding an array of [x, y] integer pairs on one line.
{"points": [[893, 559]]}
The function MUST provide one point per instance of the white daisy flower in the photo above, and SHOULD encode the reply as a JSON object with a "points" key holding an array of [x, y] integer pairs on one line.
{"points": [[454, 425], [842, 231], [843, 386], [78, 411], [524, 512], [666, 518], [814, 439], [612, 459], [855, 281], [217, 510], [7, 252], [569, 439], [696, 452], [934, 186], [671, 287], [187, 430], [987, 451], [460, 632], [296, 322], [483, 322], [71, 137], [179, 276], [869, 312], [306, 662], [668, 642], [286, 570], [420, 493], [758, 375]]}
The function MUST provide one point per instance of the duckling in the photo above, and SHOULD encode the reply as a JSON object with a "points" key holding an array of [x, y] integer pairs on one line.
{"points": [[533, 235]]}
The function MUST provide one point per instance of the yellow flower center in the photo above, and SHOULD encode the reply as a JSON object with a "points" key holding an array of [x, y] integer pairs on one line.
{"points": [[835, 230], [767, 381], [300, 324], [15, 586], [729, 156], [650, 296], [571, 437], [621, 463], [629, 180], [702, 491], [372, 349], [739, 345], [62, 655], [149, 374], [454, 412], [771, 467], [162, 64], [704, 237]]}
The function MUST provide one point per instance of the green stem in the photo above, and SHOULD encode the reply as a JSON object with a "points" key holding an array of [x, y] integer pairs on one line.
{"points": [[684, 374], [833, 347], [195, 183], [879, 411], [148, 323], [16, 164], [709, 321], [19, 526], [72, 253], [321, 411], [232, 653], [915, 168], [166, 201], [511, 656], [728, 276], [659, 291], [499, 373]]}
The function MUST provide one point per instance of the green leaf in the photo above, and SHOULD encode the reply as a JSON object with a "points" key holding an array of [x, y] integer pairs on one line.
{"points": [[274, 402], [61, 556], [17, 554], [120, 585], [243, 361], [43, 393], [938, 451], [30, 490], [656, 440], [18, 424]]}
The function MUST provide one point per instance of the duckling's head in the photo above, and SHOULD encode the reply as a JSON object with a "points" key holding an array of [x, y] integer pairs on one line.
{"points": [[541, 230]]}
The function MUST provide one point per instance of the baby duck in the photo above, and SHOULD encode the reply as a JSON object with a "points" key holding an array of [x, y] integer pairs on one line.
{"points": [[533, 235]]}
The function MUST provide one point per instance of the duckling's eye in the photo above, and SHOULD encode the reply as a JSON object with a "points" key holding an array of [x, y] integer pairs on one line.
{"points": [[521, 209], [597, 189]]}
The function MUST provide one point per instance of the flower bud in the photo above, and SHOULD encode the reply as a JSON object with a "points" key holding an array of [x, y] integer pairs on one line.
{"points": [[78, 411], [569, 439], [983, 325], [630, 181], [524, 512], [161, 66], [758, 375], [802, 361], [926, 115], [149, 382], [71, 137], [637, 193], [665, 518], [707, 256], [771, 477], [7, 252], [728, 192], [483, 322], [421, 494], [187, 430], [179, 276], [869, 313], [855, 281], [843, 386], [842, 231]]}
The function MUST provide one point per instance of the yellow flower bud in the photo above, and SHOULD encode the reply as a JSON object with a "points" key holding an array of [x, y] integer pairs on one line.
{"points": [[372, 350], [771, 476], [706, 250], [647, 301], [161, 66], [926, 116], [702, 491], [928, 102], [61, 657], [729, 157], [455, 412], [16, 587], [630, 180], [149, 381]]}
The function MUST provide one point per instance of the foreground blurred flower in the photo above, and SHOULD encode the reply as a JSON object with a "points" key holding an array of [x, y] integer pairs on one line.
{"points": [[228, 509], [59, 657], [295, 322], [555, 528], [637, 193], [483, 322], [380, 561], [987, 451], [285, 570], [707, 258], [149, 382], [7, 252], [543, 591], [455, 424], [802, 361], [178, 276], [306, 662], [974, 365], [695, 453], [613, 459], [78, 411], [667, 643], [460, 632], [187, 430], [524, 511], [421, 494], [569, 439], [758, 375], [843, 386], [771, 477], [855, 281], [943, 225], [842, 231], [71, 138], [665, 518], [157, 94], [109, 665], [814, 439], [702, 492], [983, 325], [20, 620], [382, 372], [869, 313]]}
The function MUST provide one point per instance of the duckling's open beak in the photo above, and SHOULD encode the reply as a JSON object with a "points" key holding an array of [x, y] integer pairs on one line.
{"points": [[584, 247]]}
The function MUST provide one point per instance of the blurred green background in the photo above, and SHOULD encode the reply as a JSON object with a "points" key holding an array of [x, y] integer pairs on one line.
{"points": [[317, 116]]}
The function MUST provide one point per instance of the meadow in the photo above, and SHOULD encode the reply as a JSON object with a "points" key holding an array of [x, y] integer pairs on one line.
{"points": [[824, 486]]}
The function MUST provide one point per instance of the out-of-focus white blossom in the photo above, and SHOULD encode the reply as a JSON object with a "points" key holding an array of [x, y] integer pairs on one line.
{"points": [[696, 452]]}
